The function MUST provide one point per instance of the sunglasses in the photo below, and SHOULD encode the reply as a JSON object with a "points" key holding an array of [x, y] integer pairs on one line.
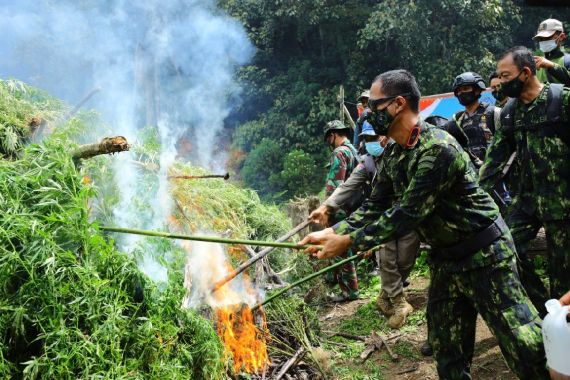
{"points": [[374, 103]]}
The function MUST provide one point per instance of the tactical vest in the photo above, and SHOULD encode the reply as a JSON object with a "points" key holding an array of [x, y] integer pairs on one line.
{"points": [[479, 129]]}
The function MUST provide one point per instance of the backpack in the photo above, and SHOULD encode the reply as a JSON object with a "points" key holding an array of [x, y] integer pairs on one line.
{"points": [[553, 112]]}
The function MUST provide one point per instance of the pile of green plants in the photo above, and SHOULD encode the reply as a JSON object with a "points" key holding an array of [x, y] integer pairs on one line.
{"points": [[71, 304]]}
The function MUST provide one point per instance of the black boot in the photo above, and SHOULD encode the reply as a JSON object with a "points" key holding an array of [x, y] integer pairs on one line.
{"points": [[426, 349]]}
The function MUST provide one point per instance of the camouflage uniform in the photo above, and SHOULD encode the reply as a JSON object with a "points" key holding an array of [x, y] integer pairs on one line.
{"points": [[342, 163], [440, 198], [543, 197]]}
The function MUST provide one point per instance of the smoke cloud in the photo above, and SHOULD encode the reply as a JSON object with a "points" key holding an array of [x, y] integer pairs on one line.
{"points": [[165, 63]]}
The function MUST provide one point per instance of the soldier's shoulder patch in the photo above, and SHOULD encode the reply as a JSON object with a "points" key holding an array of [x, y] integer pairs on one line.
{"points": [[427, 163]]}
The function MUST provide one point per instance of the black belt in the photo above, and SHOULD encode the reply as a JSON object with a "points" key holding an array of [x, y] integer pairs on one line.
{"points": [[480, 240]]}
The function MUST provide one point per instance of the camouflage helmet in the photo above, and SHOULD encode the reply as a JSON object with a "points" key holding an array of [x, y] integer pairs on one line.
{"points": [[468, 78], [335, 125]]}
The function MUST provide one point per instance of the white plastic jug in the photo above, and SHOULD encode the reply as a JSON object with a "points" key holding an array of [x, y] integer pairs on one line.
{"points": [[556, 335]]}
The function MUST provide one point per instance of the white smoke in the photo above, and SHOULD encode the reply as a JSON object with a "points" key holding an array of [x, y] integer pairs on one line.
{"points": [[165, 63], [206, 264]]}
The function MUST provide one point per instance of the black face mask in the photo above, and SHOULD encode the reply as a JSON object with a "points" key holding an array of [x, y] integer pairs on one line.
{"points": [[467, 98], [499, 94], [381, 120], [514, 87]]}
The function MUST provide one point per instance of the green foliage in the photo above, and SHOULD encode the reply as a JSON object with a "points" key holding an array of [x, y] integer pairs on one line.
{"points": [[72, 306], [262, 167], [20, 103], [295, 169], [307, 48]]}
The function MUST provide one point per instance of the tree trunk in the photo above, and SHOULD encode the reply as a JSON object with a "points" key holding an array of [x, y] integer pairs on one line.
{"points": [[108, 145]]}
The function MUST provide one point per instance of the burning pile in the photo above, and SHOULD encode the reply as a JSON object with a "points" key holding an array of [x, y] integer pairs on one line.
{"points": [[241, 337], [234, 320]]}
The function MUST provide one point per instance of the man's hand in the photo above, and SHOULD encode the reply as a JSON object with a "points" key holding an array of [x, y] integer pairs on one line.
{"points": [[565, 300], [543, 63], [320, 215], [333, 244]]}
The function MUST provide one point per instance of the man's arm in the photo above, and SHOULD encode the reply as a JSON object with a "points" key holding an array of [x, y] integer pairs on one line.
{"points": [[455, 130], [431, 178], [348, 188], [560, 73], [496, 158]]}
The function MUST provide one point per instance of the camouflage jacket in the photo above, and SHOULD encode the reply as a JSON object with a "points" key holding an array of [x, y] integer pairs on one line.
{"points": [[431, 188], [341, 164], [543, 159]]}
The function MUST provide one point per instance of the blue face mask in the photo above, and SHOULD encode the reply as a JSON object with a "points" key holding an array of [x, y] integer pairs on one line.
{"points": [[374, 148]]}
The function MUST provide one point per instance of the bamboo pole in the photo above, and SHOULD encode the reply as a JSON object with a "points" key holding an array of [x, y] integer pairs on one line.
{"points": [[223, 176], [309, 277], [209, 239], [259, 256]]}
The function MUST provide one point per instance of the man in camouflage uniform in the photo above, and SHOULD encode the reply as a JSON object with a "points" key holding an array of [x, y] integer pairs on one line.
{"points": [[397, 257], [554, 65], [342, 162], [535, 124], [430, 186]]}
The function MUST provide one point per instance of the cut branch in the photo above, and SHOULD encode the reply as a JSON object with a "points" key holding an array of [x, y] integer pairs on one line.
{"points": [[108, 145], [259, 256], [208, 176], [309, 277], [291, 362]]}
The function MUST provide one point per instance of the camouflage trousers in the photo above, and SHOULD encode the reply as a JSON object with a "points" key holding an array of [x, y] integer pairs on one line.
{"points": [[345, 276], [496, 293], [524, 228]]}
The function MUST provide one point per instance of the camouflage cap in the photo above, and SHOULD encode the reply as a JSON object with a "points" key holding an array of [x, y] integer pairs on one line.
{"points": [[548, 27], [334, 125], [364, 94]]}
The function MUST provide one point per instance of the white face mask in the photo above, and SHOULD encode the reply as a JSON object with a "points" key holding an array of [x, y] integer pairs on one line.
{"points": [[547, 46]]}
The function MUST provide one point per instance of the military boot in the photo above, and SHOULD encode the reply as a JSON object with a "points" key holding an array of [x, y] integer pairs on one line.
{"points": [[384, 305], [401, 311]]}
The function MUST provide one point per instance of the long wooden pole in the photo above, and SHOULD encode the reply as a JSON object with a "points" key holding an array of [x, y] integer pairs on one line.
{"points": [[305, 279], [259, 256], [210, 239]]}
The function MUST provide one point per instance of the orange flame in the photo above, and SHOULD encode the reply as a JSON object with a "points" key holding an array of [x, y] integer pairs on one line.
{"points": [[234, 320], [241, 338]]}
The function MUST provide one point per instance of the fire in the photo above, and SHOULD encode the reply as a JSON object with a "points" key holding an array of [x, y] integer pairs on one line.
{"points": [[234, 320], [241, 338]]}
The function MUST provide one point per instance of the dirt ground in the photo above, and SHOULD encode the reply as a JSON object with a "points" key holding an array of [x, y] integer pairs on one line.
{"points": [[411, 365]]}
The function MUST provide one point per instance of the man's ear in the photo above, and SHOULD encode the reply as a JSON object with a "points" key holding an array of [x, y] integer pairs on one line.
{"points": [[561, 37], [401, 102]]}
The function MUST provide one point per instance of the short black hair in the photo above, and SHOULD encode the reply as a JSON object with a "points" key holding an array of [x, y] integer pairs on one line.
{"points": [[342, 132], [398, 82], [493, 75], [522, 57]]}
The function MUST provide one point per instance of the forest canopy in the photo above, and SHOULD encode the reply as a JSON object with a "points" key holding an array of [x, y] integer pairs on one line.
{"points": [[307, 49]]}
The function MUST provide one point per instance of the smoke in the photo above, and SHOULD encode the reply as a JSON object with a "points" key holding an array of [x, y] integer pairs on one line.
{"points": [[165, 63], [207, 264]]}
